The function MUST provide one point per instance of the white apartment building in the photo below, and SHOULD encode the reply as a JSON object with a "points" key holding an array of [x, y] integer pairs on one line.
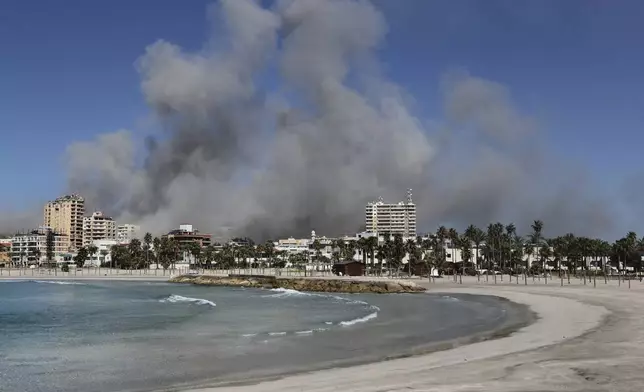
{"points": [[103, 253], [392, 218], [98, 227], [126, 233], [31, 248]]}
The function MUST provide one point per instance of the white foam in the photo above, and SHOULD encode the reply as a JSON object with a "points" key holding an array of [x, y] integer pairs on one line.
{"points": [[328, 322], [179, 298], [57, 282], [451, 299], [277, 333], [282, 292], [304, 332], [364, 319], [249, 335]]}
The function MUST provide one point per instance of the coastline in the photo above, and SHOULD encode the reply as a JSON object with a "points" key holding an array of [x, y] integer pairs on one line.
{"points": [[563, 318], [585, 337], [521, 317]]}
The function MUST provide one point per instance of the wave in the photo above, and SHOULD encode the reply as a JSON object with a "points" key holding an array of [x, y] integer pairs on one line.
{"points": [[277, 333], [282, 292], [310, 331], [58, 282], [451, 299], [364, 319], [179, 298]]}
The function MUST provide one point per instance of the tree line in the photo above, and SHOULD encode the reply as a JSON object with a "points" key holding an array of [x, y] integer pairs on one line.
{"points": [[498, 248]]}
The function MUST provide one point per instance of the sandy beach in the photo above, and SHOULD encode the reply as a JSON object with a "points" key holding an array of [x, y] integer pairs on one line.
{"points": [[586, 339]]}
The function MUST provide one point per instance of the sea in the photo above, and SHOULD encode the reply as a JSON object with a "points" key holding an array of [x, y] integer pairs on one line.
{"points": [[93, 336]]}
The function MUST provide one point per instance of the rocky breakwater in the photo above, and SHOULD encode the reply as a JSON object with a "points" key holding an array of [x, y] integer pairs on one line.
{"points": [[303, 284]]}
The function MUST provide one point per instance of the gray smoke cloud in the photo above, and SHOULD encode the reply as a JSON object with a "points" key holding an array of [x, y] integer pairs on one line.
{"points": [[238, 158]]}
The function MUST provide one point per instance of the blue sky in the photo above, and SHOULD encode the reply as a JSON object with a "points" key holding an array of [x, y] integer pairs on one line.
{"points": [[67, 73]]}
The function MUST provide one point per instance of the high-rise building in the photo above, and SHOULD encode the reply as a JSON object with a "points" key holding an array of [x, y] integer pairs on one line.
{"points": [[65, 216], [126, 233], [98, 227], [391, 218]]}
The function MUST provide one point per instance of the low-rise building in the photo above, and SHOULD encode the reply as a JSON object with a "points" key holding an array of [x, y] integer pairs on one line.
{"points": [[126, 233], [103, 255], [31, 248], [5, 251], [186, 234]]}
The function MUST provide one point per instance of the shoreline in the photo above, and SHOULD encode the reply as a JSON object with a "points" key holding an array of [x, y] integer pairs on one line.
{"points": [[585, 337], [559, 320], [524, 317]]}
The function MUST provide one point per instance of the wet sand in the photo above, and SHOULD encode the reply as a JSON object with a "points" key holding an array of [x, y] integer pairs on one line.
{"points": [[586, 339]]}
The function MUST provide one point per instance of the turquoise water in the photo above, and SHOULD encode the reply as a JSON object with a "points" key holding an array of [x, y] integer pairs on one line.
{"points": [[135, 336]]}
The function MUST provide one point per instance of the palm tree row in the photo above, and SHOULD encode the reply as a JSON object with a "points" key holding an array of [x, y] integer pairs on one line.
{"points": [[497, 249]]}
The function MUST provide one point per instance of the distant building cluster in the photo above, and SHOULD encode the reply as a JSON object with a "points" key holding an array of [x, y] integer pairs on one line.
{"points": [[73, 229]]}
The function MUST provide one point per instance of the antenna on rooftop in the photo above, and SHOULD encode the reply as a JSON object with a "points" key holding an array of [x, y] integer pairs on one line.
{"points": [[409, 201]]}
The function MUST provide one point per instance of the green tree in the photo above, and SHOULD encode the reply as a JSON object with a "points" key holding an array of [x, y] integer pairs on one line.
{"points": [[156, 244], [413, 252], [147, 245], [81, 256], [135, 254], [50, 240], [465, 246], [370, 247], [91, 251], [35, 253]]}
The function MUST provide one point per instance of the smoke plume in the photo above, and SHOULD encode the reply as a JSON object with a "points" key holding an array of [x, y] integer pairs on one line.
{"points": [[236, 157]]}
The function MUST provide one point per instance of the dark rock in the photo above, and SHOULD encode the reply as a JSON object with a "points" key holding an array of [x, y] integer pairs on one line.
{"points": [[299, 284]]}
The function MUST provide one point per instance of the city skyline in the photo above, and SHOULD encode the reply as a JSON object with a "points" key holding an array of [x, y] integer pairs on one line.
{"points": [[471, 68]]}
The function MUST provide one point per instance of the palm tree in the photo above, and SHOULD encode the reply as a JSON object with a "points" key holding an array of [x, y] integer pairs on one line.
{"points": [[147, 241], [476, 236], [518, 255], [453, 237], [269, 248], [135, 253], [398, 252], [156, 243], [317, 247], [91, 250], [381, 255], [370, 248], [103, 252], [195, 251], [544, 256], [350, 249], [465, 247], [412, 250], [528, 250], [36, 255]]}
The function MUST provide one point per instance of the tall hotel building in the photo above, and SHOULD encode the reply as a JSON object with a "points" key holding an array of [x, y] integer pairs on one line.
{"points": [[65, 216], [391, 218]]}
